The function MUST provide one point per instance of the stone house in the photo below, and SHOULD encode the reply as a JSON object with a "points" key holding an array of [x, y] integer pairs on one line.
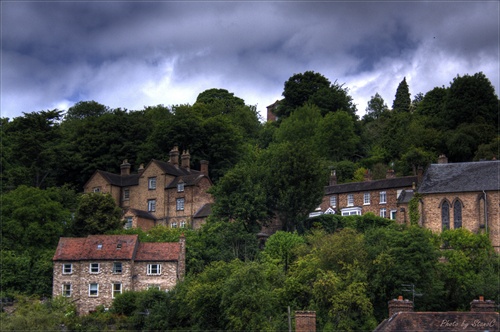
{"points": [[93, 270], [379, 197], [481, 317], [467, 195], [163, 193]]}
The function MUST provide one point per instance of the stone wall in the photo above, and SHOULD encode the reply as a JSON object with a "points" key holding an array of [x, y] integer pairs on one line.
{"points": [[165, 281]]}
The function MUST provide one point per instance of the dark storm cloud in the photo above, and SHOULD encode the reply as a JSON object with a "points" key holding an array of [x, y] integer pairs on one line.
{"points": [[134, 54]]}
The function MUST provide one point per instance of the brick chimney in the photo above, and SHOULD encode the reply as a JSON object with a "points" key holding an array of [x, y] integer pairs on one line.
{"points": [[125, 168], [305, 321], [390, 174], [442, 159], [185, 159], [333, 177], [482, 306], [141, 169], [174, 157], [400, 305], [420, 174], [182, 258], [204, 167]]}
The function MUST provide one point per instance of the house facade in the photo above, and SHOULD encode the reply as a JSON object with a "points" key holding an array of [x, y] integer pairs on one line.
{"points": [[92, 271], [166, 193], [379, 197], [455, 195]]}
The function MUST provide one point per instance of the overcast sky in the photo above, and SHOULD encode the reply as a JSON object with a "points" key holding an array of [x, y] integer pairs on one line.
{"points": [[134, 54]]}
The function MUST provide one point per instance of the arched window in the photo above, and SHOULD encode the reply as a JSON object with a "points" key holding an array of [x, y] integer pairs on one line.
{"points": [[457, 214], [445, 215]]}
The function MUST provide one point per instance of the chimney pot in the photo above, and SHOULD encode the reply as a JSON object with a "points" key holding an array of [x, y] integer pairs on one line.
{"points": [[333, 177], [174, 156], [185, 159], [125, 168], [442, 159], [399, 305]]}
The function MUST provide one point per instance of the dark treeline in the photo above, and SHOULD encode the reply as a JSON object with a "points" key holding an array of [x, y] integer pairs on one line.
{"points": [[344, 268]]}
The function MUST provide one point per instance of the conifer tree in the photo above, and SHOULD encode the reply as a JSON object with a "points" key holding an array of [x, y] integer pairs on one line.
{"points": [[402, 100]]}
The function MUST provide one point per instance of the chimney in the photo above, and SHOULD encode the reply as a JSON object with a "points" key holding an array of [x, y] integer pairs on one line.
{"points": [[182, 257], [305, 321], [442, 159], [204, 167], [368, 175], [333, 178], [420, 174], [125, 168], [390, 174], [400, 305], [174, 157], [141, 169], [482, 306], [185, 159]]}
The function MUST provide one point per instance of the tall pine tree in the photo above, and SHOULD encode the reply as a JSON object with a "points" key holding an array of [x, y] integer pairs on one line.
{"points": [[402, 100]]}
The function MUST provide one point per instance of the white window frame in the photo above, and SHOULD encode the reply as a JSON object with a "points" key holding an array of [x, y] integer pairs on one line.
{"points": [[128, 222], [350, 199], [366, 199], [126, 194], [383, 212], [67, 291], [91, 290], [115, 291], [383, 197], [352, 211], [91, 268], [152, 183], [393, 214], [156, 271], [151, 205], [173, 224], [96, 189], [179, 204], [65, 270], [182, 224], [333, 201], [180, 187], [115, 267]]}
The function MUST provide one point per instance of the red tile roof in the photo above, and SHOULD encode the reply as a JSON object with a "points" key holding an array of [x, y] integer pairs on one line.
{"points": [[114, 247], [158, 251]]}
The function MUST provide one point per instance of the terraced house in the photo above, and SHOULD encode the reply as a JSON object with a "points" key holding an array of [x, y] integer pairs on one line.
{"points": [[92, 271], [164, 193]]}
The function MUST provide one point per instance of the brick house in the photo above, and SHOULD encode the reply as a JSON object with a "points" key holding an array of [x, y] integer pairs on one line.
{"points": [[376, 196], [481, 317], [93, 270], [163, 193], [455, 195]]}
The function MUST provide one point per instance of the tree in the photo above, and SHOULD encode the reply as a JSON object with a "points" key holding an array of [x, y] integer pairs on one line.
{"points": [[97, 213], [281, 247], [85, 109], [376, 108], [402, 100]]}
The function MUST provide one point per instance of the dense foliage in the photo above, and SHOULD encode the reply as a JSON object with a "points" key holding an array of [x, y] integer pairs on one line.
{"points": [[345, 268]]}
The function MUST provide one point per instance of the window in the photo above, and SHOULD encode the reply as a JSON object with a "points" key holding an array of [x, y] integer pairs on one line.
{"points": [[174, 224], [445, 215], [96, 189], [151, 205], [457, 214], [350, 200], [333, 201], [128, 223], [180, 187], [66, 290], [94, 268], [383, 213], [183, 224], [180, 204], [117, 289], [393, 214], [366, 199], [383, 197], [67, 268], [126, 194], [93, 289], [154, 269], [354, 211], [152, 183], [117, 267], [99, 246]]}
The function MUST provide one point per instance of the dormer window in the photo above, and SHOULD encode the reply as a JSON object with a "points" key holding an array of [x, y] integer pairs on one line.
{"points": [[99, 246], [180, 187], [119, 246]]}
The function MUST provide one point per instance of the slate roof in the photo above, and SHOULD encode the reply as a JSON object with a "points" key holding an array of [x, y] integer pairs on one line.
{"points": [[189, 180], [393, 183], [204, 211], [142, 214], [441, 321], [114, 247], [120, 180], [173, 170], [158, 251], [461, 177], [405, 196]]}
